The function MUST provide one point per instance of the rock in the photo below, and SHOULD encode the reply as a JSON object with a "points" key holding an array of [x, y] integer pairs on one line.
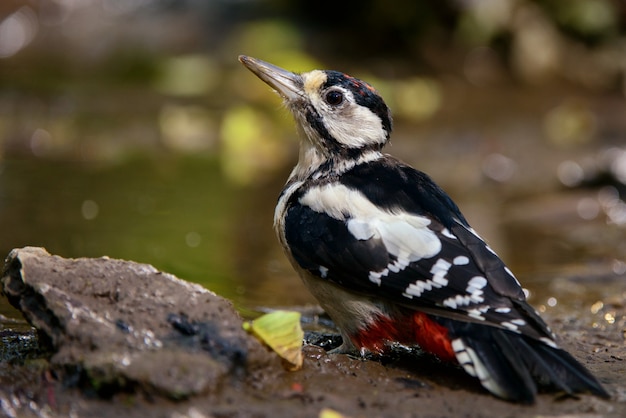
{"points": [[123, 325]]}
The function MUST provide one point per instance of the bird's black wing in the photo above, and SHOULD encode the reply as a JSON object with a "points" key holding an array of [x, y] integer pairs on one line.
{"points": [[388, 230]]}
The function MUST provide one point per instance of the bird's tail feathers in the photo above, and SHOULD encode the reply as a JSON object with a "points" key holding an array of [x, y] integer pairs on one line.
{"points": [[514, 367]]}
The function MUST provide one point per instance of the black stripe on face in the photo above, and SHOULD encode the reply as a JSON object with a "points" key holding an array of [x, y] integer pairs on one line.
{"points": [[334, 147], [316, 122]]}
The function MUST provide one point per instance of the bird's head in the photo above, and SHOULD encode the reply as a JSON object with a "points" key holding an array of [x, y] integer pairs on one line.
{"points": [[340, 115]]}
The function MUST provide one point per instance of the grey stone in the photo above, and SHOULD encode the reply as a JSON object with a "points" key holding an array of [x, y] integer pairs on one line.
{"points": [[125, 325]]}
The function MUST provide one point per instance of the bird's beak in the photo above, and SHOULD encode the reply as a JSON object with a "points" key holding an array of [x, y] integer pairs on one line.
{"points": [[286, 83]]}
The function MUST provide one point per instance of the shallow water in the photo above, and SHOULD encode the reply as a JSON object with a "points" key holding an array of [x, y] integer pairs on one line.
{"points": [[184, 216]]}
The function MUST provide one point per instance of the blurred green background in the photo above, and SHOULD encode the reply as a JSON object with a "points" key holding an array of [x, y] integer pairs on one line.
{"points": [[129, 129]]}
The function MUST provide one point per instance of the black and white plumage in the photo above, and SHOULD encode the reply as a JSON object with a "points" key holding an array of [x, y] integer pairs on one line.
{"points": [[389, 255]]}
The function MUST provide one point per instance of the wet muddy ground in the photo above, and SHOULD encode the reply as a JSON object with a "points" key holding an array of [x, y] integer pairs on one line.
{"points": [[405, 386], [402, 384]]}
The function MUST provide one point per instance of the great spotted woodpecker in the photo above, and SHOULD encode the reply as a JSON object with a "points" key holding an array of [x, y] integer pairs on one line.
{"points": [[389, 255]]}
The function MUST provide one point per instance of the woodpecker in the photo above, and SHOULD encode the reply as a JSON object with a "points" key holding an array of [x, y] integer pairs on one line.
{"points": [[389, 255]]}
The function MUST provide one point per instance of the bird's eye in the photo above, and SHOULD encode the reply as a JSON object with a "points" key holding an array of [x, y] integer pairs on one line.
{"points": [[334, 98]]}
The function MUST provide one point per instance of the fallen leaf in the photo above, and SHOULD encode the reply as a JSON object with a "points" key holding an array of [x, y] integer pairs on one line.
{"points": [[281, 331]]}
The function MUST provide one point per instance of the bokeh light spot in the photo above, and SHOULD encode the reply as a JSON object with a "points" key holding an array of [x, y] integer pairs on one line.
{"points": [[89, 210], [17, 31]]}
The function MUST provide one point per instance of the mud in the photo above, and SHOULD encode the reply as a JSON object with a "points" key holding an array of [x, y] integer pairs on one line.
{"points": [[117, 338]]}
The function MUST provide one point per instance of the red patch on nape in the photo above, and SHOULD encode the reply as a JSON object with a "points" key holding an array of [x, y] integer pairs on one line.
{"points": [[359, 85], [415, 328], [370, 88]]}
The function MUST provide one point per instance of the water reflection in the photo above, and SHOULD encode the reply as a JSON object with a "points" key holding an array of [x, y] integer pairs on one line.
{"points": [[180, 214], [144, 210]]}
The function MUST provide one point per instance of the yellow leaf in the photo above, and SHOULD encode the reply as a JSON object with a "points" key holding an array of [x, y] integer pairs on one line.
{"points": [[281, 331], [331, 413]]}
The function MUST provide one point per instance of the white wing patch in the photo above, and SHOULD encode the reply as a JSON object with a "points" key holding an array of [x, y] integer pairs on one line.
{"points": [[405, 236], [395, 267], [510, 326], [439, 272], [477, 313], [549, 342], [513, 324], [474, 296], [475, 285]]}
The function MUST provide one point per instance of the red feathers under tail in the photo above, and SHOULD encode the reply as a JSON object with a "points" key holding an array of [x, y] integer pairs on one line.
{"points": [[509, 365], [417, 328]]}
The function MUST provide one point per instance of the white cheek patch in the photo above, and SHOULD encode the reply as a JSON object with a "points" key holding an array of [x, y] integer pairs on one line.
{"points": [[350, 124], [355, 126], [405, 236]]}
